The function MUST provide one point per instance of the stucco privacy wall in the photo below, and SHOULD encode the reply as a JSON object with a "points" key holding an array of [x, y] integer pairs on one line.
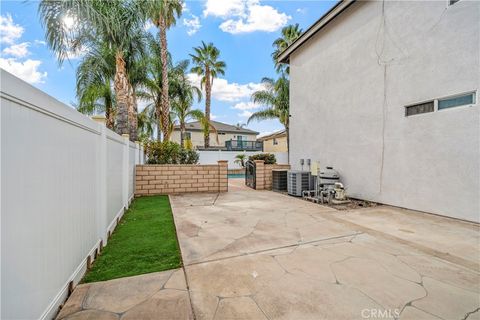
{"points": [[349, 86], [211, 157], [65, 181], [167, 179]]}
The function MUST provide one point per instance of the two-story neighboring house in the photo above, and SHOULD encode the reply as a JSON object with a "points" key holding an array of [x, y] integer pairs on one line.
{"points": [[275, 142], [230, 137], [386, 92]]}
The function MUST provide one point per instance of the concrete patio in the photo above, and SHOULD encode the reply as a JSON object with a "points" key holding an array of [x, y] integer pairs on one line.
{"points": [[263, 255]]}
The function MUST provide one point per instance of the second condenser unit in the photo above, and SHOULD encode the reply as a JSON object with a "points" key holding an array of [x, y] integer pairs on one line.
{"points": [[298, 181]]}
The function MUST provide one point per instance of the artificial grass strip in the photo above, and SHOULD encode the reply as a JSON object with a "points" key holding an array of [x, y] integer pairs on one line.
{"points": [[144, 241]]}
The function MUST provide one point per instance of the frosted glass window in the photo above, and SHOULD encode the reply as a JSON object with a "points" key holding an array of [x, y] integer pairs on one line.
{"points": [[457, 101]]}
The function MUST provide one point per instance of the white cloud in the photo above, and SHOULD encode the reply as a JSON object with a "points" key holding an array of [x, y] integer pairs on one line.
{"points": [[223, 8], [39, 42], [9, 31], [27, 70], [193, 25], [301, 10], [17, 50], [224, 91], [243, 16], [260, 18], [246, 106], [245, 114]]}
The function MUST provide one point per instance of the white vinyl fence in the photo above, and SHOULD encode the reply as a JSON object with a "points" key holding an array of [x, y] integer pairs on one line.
{"points": [[211, 157], [65, 180]]}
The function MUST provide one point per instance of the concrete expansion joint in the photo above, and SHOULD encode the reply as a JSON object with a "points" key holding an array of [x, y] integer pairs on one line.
{"points": [[295, 246], [470, 313]]}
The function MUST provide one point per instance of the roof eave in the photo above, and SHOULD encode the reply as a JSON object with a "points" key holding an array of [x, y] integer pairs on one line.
{"points": [[284, 57]]}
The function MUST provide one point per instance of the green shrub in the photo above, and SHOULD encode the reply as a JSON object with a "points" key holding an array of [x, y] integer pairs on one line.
{"points": [[169, 152], [269, 158]]}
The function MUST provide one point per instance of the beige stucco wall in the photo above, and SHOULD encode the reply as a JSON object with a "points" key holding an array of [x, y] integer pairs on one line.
{"points": [[268, 145], [197, 138], [349, 87]]}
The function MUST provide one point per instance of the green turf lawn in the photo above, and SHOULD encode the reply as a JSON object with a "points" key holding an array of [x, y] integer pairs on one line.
{"points": [[144, 241]]}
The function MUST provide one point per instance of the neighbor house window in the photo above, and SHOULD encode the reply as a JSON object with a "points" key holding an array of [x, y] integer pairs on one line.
{"points": [[419, 108], [187, 136], [462, 100], [275, 142]]}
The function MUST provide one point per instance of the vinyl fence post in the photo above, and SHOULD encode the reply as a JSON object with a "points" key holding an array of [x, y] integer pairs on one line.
{"points": [[125, 175], [102, 186]]}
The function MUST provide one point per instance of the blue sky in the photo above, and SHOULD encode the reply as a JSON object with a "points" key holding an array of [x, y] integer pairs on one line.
{"points": [[243, 30]]}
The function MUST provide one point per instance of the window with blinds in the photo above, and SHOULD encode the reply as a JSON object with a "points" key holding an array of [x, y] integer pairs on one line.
{"points": [[419, 108]]}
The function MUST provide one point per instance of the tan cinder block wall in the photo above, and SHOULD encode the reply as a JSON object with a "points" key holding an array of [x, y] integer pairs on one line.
{"points": [[154, 179], [259, 174], [268, 173]]}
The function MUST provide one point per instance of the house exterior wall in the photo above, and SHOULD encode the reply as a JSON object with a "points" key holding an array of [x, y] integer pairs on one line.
{"points": [[197, 138], [351, 82], [281, 145]]}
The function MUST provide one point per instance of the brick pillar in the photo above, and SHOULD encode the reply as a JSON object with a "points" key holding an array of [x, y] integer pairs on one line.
{"points": [[222, 175], [260, 174]]}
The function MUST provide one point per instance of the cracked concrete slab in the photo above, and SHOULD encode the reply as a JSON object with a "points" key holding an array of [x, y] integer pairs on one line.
{"points": [[159, 295], [260, 254]]}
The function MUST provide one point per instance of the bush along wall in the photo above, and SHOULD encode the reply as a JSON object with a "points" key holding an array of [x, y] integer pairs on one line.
{"points": [[169, 152], [269, 158]]}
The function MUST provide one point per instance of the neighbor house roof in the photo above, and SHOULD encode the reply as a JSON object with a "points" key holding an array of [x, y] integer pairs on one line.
{"points": [[313, 29], [220, 126], [278, 134]]}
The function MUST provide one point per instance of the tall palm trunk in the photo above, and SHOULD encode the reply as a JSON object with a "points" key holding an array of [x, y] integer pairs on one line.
{"points": [[163, 58], [132, 113], [182, 133], [109, 116], [208, 92], [158, 112], [121, 93]]}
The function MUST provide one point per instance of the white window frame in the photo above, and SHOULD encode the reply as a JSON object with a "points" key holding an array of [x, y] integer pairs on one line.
{"points": [[436, 100], [475, 95]]}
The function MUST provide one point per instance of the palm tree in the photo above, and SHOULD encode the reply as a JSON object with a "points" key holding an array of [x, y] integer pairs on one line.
{"points": [[113, 22], [275, 97], [94, 76], [153, 83], [209, 67], [163, 14], [136, 61], [146, 124], [290, 33], [240, 159], [183, 96]]}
